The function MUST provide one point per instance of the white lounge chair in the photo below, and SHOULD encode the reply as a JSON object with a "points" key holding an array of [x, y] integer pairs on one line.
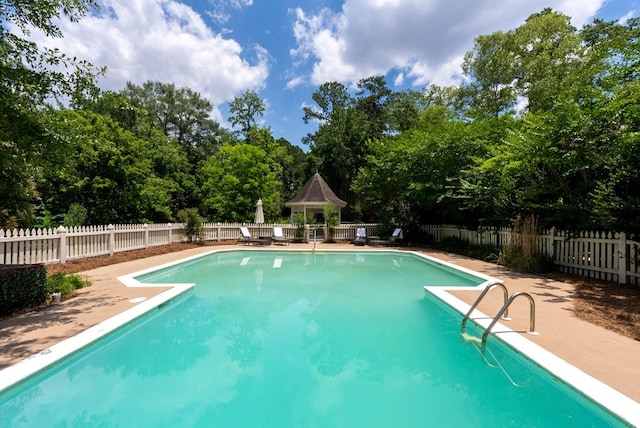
{"points": [[278, 236], [361, 236], [391, 241], [395, 237], [246, 237]]}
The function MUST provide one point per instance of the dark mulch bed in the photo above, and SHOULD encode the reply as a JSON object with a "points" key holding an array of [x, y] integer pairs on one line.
{"points": [[613, 306], [81, 265]]}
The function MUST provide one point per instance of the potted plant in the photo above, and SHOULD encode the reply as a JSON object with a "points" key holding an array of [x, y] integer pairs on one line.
{"points": [[331, 221], [299, 221]]}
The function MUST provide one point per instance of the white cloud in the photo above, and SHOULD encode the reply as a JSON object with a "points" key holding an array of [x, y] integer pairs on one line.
{"points": [[399, 80], [163, 40], [579, 11], [424, 40], [220, 9], [298, 80], [623, 20]]}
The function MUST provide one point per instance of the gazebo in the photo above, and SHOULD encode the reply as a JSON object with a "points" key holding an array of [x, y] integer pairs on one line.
{"points": [[313, 197]]}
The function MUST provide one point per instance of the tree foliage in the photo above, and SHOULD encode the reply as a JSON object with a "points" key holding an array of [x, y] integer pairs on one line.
{"points": [[545, 124], [181, 113], [245, 110], [235, 178], [568, 157], [29, 75]]}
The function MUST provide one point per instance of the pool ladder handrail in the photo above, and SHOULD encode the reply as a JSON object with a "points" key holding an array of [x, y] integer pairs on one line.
{"points": [[532, 314], [481, 296]]}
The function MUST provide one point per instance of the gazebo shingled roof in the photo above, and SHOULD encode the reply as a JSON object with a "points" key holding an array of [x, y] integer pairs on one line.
{"points": [[313, 197], [316, 191]]}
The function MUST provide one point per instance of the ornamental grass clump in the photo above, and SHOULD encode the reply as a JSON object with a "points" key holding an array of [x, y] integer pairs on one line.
{"points": [[522, 253]]}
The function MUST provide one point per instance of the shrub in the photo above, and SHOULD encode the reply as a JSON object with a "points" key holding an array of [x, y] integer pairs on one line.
{"points": [[193, 228], [66, 284], [300, 221], [452, 244], [331, 219], [78, 281], [22, 287], [384, 229], [76, 216]]}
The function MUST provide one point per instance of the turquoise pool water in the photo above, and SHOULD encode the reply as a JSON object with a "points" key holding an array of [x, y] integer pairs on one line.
{"points": [[298, 340]]}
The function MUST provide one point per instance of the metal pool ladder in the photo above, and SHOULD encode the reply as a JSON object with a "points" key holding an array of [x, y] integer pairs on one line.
{"points": [[481, 296], [532, 314], [504, 310]]}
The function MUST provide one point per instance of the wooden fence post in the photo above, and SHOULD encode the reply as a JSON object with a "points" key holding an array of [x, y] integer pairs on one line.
{"points": [[112, 239], [622, 261], [62, 244], [145, 242], [552, 237]]}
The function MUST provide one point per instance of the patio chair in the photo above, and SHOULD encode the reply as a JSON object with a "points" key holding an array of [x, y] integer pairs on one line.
{"points": [[361, 236], [246, 237], [278, 236], [395, 237]]}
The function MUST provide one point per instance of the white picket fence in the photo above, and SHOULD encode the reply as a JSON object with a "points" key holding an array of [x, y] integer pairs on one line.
{"points": [[602, 255], [26, 246]]}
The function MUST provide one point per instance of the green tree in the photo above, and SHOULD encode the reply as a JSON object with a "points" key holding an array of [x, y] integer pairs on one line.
{"points": [[193, 224], [615, 118], [25, 67], [119, 108], [372, 99], [244, 111], [105, 170], [29, 75], [492, 66], [235, 178], [571, 162], [404, 109], [339, 147], [181, 113], [331, 97], [548, 50], [294, 171], [330, 213], [536, 61]]}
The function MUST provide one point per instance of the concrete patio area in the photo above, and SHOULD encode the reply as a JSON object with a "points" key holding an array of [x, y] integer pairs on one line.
{"points": [[605, 355]]}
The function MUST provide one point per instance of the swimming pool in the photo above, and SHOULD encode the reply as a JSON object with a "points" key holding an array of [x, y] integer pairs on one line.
{"points": [[299, 339]]}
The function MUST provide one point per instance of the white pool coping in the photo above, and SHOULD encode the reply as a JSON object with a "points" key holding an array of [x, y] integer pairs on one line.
{"points": [[611, 399], [37, 362]]}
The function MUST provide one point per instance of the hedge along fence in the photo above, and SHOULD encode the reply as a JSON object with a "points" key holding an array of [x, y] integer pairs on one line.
{"points": [[22, 287]]}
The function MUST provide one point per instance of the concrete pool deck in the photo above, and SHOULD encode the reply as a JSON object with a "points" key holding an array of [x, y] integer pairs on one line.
{"points": [[603, 354]]}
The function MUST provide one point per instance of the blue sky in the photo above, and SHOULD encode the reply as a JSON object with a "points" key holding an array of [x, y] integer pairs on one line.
{"points": [[284, 49]]}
